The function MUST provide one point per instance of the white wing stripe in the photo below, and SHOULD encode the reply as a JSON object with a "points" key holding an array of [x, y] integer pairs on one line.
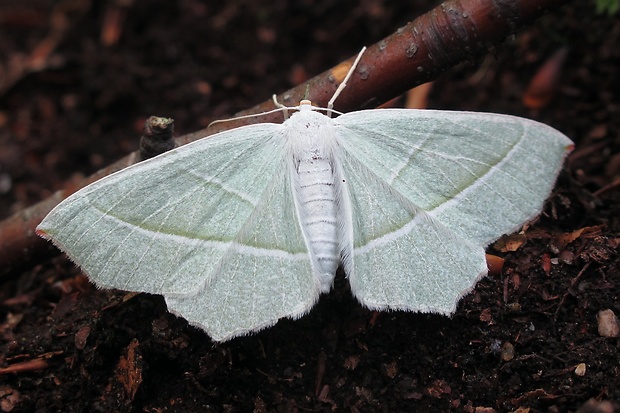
{"points": [[391, 236], [225, 187], [218, 245]]}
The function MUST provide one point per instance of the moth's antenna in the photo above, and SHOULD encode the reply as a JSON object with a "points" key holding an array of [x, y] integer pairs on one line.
{"points": [[343, 84], [280, 108], [284, 109]]}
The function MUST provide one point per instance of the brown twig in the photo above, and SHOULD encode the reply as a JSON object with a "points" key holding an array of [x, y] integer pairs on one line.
{"points": [[570, 290], [455, 31], [157, 137]]}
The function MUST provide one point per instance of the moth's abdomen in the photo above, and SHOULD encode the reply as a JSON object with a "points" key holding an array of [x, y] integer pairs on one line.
{"points": [[317, 209]]}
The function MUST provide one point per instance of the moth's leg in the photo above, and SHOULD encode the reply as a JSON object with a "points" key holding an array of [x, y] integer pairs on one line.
{"points": [[280, 106]]}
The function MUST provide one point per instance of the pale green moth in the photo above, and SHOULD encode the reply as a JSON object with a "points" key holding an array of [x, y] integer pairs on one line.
{"points": [[250, 225]]}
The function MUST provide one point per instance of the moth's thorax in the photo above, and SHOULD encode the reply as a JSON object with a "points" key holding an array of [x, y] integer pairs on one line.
{"points": [[310, 134], [311, 140]]}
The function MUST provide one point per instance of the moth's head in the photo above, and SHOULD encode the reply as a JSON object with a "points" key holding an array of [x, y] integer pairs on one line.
{"points": [[305, 104]]}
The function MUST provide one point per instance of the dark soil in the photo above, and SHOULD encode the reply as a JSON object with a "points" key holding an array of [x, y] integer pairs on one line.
{"points": [[514, 343]]}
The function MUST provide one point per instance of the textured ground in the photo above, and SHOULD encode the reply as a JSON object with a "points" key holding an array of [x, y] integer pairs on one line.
{"points": [[514, 343]]}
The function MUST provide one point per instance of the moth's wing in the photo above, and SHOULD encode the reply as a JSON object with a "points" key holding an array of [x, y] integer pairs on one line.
{"points": [[210, 225], [481, 175], [163, 225], [265, 275], [403, 259]]}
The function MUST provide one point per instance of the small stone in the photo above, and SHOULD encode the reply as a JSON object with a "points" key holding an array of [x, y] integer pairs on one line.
{"points": [[580, 370], [481, 409], [567, 257], [508, 351], [607, 324], [351, 362], [513, 307], [390, 370], [9, 398], [593, 405]]}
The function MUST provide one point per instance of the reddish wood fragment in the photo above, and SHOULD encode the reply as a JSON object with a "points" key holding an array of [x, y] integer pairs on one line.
{"points": [[129, 370], [545, 261], [9, 398], [533, 395], [113, 22], [320, 372], [64, 306], [374, 316], [495, 265], [25, 366], [81, 336], [485, 316], [562, 240], [417, 98], [438, 388], [544, 84], [510, 243]]}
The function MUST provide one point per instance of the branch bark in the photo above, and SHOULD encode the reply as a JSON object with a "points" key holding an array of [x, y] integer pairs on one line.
{"points": [[455, 31]]}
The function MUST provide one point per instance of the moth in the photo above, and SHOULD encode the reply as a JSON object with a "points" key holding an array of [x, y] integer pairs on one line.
{"points": [[248, 226]]}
